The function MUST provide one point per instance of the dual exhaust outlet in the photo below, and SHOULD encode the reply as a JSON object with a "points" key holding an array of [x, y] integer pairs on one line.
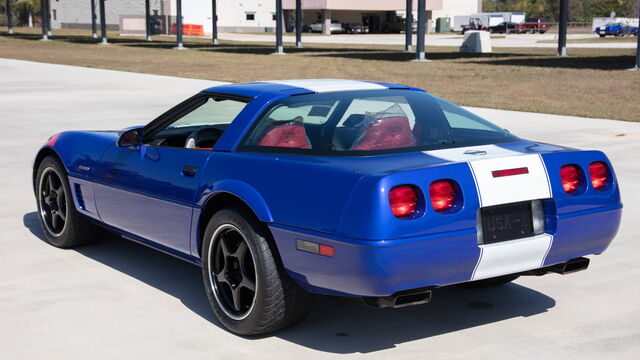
{"points": [[423, 295]]}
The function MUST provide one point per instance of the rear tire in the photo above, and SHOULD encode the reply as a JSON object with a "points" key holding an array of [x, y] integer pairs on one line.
{"points": [[491, 282], [247, 286], [63, 226]]}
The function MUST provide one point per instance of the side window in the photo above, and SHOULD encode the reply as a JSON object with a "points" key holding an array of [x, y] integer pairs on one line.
{"points": [[201, 127], [459, 118], [290, 124]]}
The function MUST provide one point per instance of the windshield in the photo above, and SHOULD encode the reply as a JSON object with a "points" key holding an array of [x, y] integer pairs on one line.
{"points": [[366, 123]]}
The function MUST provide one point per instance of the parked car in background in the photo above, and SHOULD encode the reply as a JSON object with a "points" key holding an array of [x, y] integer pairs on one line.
{"points": [[336, 27], [394, 27], [474, 24], [613, 29], [536, 25], [514, 28], [634, 31]]}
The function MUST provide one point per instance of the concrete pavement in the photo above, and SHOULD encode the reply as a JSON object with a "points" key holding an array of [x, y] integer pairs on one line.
{"points": [[117, 299]]}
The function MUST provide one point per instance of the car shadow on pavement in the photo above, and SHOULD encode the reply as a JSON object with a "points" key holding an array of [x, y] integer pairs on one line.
{"points": [[336, 324], [164, 272]]}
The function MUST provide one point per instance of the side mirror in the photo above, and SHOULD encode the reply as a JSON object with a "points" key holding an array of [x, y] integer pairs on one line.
{"points": [[132, 137]]}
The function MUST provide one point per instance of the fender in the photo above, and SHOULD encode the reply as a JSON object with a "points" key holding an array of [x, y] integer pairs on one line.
{"points": [[239, 189], [78, 158], [244, 192]]}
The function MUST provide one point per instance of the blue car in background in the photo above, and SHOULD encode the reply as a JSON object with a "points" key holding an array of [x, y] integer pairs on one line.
{"points": [[613, 29], [281, 190], [634, 31]]}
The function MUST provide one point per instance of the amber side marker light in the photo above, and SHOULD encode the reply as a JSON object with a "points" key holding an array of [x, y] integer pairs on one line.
{"points": [[315, 248]]}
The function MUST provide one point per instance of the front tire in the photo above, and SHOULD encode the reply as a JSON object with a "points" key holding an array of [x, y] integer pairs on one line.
{"points": [[247, 286], [63, 226]]}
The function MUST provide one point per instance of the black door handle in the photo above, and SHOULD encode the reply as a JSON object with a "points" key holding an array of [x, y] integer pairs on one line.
{"points": [[189, 170]]}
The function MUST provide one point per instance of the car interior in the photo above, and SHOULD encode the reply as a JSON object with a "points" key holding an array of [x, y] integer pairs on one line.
{"points": [[345, 125]]}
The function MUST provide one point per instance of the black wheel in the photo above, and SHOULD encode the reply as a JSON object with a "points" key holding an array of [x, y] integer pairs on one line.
{"points": [[247, 286], [491, 282], [61, 223]]}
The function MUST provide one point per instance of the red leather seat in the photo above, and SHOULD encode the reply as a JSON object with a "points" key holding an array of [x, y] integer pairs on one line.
{"points": [[387, 133], [289, 134]]}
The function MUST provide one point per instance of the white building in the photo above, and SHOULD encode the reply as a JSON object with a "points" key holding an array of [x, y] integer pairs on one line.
{"points": [[250, 15]]}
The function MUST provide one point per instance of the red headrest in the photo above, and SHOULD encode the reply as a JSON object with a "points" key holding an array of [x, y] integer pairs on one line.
{"points": [[386, 133], [289, 134]]}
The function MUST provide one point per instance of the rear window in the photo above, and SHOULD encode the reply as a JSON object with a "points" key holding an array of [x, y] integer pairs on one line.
{"points": [[369, 122]]}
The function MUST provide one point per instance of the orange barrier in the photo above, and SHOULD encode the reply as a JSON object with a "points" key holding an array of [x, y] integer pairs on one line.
{"points": [[189, 29]]}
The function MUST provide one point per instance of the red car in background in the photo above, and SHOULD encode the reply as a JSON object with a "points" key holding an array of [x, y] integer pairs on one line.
{"points": [[535, 25]]}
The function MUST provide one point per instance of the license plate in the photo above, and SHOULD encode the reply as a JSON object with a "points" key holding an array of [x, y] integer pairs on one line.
{"points": [[506, 222]]}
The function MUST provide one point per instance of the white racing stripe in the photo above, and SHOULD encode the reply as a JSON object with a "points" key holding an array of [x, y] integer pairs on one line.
{"points": [[511, 257], [330, 85], [485, 159], [471, 153], [510, 189]]}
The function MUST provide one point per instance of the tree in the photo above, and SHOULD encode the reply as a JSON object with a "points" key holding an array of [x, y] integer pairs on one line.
{"points": [[23, 8]]}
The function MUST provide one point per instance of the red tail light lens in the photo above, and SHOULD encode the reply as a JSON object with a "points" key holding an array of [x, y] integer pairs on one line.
{"points": [[570, 175], [599, 173], [442, 195], [403, 200]]}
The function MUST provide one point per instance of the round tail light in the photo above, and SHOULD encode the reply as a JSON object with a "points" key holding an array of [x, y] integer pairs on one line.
{"points": [[403, 200], [442, 194], [599, 173], [570, 175]]}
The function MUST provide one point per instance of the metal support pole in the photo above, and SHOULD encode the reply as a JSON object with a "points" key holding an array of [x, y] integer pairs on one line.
{"points": [[421, 31], [279, 47], [103, 23], [48, 17], [43, 21], [179, 45], [94, 25], [147, 18], [408, 30], [214, 23], [562, 32], [637, 67], [299, 24], [9, 18]]}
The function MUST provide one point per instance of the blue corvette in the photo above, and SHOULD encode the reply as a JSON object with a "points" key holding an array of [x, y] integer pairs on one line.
{"points": [[613, 29], [281, 190]]}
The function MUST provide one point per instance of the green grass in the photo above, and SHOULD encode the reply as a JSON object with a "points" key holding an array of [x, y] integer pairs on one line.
{"points": [[590, 82]]}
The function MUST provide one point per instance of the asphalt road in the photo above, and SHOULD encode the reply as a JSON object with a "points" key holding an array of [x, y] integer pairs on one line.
{"points": [[117, 299]]}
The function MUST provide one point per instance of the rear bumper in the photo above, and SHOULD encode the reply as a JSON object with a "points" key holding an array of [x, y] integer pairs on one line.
{"points": [[382, 268]]}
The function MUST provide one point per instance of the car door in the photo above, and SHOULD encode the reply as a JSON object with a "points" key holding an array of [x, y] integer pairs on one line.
{"points": [[149, 190]]}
